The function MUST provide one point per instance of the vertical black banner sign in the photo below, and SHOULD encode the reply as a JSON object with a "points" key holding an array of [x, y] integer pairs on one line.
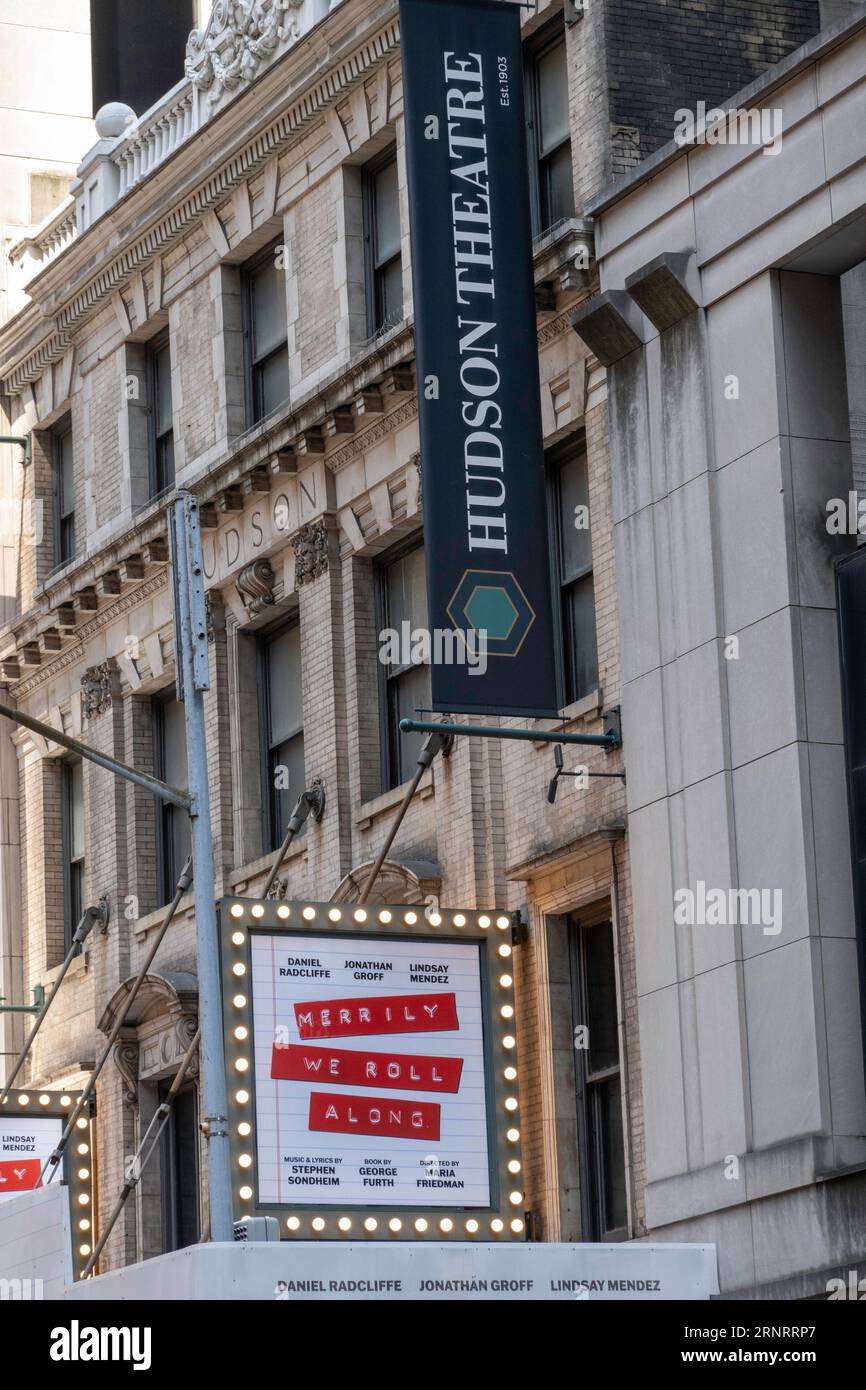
{"points": [[851, 605], [477, 358]]}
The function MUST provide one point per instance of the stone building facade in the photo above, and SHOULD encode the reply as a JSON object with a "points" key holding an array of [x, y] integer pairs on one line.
{"points": [[154, 353]]}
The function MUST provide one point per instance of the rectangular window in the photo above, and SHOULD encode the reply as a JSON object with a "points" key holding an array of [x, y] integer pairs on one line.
{"points": [[572, 551], [282, 725], [382, 242], [64, 495], [172, 823], [405, 683], [265, 335], [604, 1208], [161, 442], [179, 1169], [73, 847], [552, 181]]}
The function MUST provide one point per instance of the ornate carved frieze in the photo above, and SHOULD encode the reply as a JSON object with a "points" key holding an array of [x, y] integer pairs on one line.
{"points": [[255, 584], [310, 545], [241, 38], [96, 690]]}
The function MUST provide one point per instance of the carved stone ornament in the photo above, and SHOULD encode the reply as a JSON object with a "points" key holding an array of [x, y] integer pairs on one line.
{"points": [[310, 545], [240, 39], [278, 890], [96, 690], [124, 1054], [256, 586]]}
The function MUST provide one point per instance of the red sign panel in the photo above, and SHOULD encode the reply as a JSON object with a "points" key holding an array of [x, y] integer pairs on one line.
{"points": [[390, 1013], [396, 1070], [393, 1119], [19, 1177]]}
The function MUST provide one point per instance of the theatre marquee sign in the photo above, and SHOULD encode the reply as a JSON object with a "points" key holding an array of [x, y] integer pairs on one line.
{"points": [[372, 1070]]}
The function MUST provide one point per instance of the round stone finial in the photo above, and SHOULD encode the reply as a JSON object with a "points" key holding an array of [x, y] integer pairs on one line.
{"points": [[113, 119]]}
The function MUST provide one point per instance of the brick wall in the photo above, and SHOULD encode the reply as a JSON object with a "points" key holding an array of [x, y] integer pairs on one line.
{"points": [[666, 54]]}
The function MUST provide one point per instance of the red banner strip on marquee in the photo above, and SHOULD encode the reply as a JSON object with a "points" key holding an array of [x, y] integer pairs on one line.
{"points": [[395, 1070], [19, 1177], [390, 1013], [394, 1119]]}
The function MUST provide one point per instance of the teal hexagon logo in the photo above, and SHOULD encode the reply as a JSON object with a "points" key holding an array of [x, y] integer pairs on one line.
{"points": [[492, 601]]}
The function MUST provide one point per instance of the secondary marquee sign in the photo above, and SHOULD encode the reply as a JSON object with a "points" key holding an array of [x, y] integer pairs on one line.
{"points": [[372, 1070], [475, 332], [31, 1124]]}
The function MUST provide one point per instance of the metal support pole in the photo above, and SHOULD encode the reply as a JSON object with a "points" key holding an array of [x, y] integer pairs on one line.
{"points": [[82, 931], [24, 440], [432, 745], [311, 801], [75, 745], [34, 1008], [193, 680], [611, 739]]}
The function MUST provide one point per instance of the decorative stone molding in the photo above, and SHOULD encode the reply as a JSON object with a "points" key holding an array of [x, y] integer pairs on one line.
{"points": [[124, 1055], [416, 882], [242, 37], [416, 460], [255, 584], [310, 545], [96, 690]]}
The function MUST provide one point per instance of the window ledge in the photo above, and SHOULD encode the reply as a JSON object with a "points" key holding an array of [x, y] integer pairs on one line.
{"points": [[239, 878], [77, 966], [154, 919], [389, 801], [581, 712]]}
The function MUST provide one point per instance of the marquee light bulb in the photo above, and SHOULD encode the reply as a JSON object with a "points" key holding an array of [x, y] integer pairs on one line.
{"points": [[239, 968], [245, 1160], [81, 1124], [242, 1097], [83, 1174], [514, 1165], [512, 1135], [484, 920], [245, 1193], [420, 1224], [411, 918], [344, 1223], [242, 1064], [497, 1225], [283, 912], [385, 916], [506, 981], [292, 1223], [511, 1103], [371, 1224], [472, 1226], [244, 1128], [360, 914], [318, 1223], [83, 1149], [239, 1001], [335, 914], [515, 1198], [65, 1100], [23, 1100], [460, 920], [84, 1225], [241, 1033], [504, 950], [508, 1042], [84, 1249], [510, 1073], [395, 1223], [308, 914], [258, 910], [45, 1100], [435, 919], [83, 1199], [503, 922], [517, 1225], [238, 938], [237, 910], [506, 1011], [446, 1224]]}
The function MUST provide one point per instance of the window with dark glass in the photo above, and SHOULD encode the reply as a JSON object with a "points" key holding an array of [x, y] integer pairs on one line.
{"points": [[549, 132], [598, 1086], [73, 847], [265, 335], [161, 418], [172, 823], [179, 1169], [282, 724], [382, 241], [64, 495], [572, 552], [402, 591]]}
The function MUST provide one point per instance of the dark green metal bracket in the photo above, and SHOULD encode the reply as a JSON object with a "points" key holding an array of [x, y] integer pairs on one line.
{"points": [[611, 738], [24, 440], [35, 1008]]}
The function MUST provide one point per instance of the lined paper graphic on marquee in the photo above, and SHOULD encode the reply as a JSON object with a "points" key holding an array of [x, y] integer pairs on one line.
{"points": [[355, 1121]]}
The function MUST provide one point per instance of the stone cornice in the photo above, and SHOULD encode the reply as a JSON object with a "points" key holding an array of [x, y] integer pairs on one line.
{"points": [[82, 279]]}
